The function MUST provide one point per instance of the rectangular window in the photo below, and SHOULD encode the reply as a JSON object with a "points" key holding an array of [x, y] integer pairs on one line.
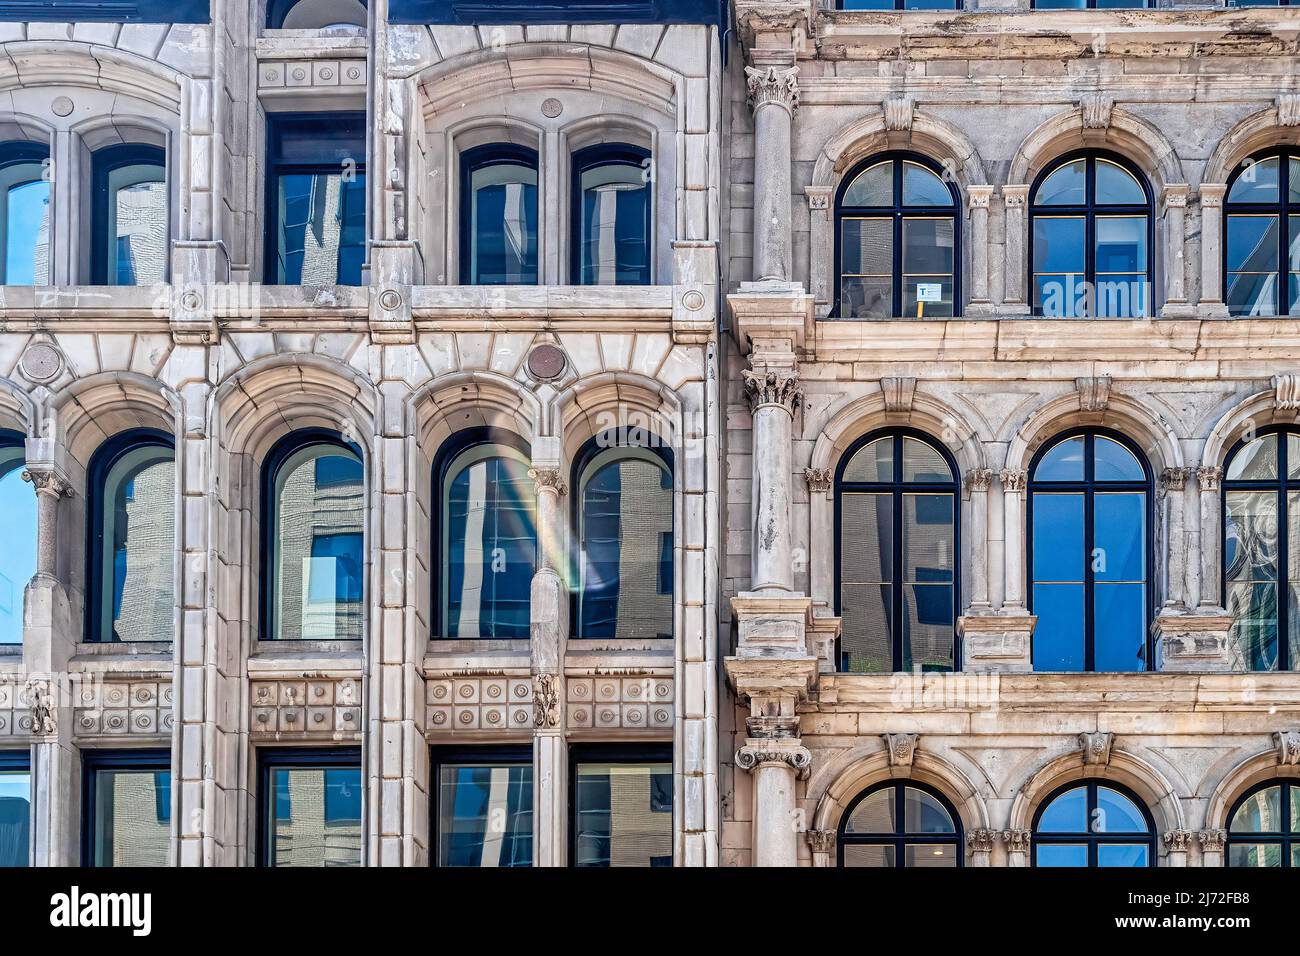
{"points": [[126, 807], [483, 806], [621, 802], [315, 198], [15, 808], [309, 807], [99, 11]]}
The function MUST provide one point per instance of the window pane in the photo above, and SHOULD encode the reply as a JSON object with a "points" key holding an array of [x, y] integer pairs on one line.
{"points": [[321, 239], [1121, 244], [627, 519], [15, 816], [1256, 854], [1255, 460], [1113, 462], [623, 814], [868, 855], [613, 231], [1063, 296], [130, 215], [921, 462], [1261, 812], [866, 568], [1058, 636], [921, 187], [18, 556], [1293, 190], [873, 186], [132, 817], [1252, 294], [1067, 813], [320, 557], [867, 264], [1058, 537], [1253, 243], [1116, 813], [1122, 854], [315, 816], [922, 813], [873, 462], [1258, 182], [874, 813], [1059, 245], [27, 226], [1250, 567], [1253, 643], [1119, 537], [1064, 854], [1116, 186], [930, 855], [1121, 296], [927, 576], [485, 815], [503, 225], [1064, 187], [1119, 627], [867, 298], [1063, 462], [927, 266], [139, 547]]}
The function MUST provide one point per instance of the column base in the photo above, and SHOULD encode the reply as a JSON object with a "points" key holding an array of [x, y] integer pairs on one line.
{"points": [[772, 624], [1193, 642], [996, 643]]}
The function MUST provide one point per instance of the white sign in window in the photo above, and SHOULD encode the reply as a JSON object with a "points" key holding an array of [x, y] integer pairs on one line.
{"points": [[929, 292]]}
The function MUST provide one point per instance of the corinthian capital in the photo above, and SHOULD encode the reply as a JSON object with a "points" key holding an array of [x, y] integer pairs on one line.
{"points": [[773, 85], [772, 388], [1208, 477], [47, 482], [797, 759], [548, 478]]}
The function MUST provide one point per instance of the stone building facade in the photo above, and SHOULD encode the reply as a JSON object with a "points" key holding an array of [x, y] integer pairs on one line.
{"points": [[783, 692]]}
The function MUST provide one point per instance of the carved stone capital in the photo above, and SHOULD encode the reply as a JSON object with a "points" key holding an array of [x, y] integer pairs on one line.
{"points": [[1095, 110], [798, 759], [1175, 479], [820, 841], [1211, 195], [1212, 840], [819, 479], [548, 478], [1177, 841], [902, 749], [1287, 743], [772, 388], [978, 479], [1096, 747], [49, 483], [1014, 197], [979, 196], [546, 701], [1016, 841], [1209, 477], [1013, 480], [1094, 393], [819, 197], [981, 841], [773, 86]]}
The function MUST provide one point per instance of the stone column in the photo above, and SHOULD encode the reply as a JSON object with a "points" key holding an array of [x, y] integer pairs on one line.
{"points": [[1174, 483], [1212, 846], [821, 246], [1176, 843], [776, 763], [550, 633], [977, 485], [1017, 845], [1015, 298], [980, 844], [978, 197], [1211, 202], [1174, 199], [774, 96], [1013, 488], [773, 396], [1208, 477]]}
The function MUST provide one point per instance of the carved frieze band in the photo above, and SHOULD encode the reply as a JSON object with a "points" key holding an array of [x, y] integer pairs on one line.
{"points": [[626, 703], [110, 709], [306, 708], [464, 704]]}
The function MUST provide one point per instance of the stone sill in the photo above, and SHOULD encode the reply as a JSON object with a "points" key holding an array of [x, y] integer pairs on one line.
{"points": [[457, 658], [599, 656], [305, 659], [311, 45]]}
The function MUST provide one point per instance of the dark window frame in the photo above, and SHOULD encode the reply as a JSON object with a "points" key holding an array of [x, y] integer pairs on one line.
{"points": [[897, 212], [102, 461], [899, 839], [640, 753], [518, 755], [155, 759], [1283, 208], [448, 452], [1281, 485], [593, 157], [481, 157], [1090, 210], [622, 437], [1284, 839], [105, 11], [897, 488], [1088, 487], [103, 162], [275, 459], [273, 758], [1089, 838], [279, 129]]}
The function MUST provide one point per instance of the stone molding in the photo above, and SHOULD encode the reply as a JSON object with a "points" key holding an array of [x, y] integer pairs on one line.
{"points": [[1194, 642], [466, 704], [637, 702], [327, 707], [114, 708]]}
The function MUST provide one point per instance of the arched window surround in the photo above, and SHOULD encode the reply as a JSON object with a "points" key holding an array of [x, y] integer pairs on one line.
{"points": [[101, 464], [1287, 841], [1087, 488], [279, 454], [104, 162], [1282, 485], [1285, 209], [621, 438], [899, 839], [448, 453], [593, 157], [897, 211], [474, 158], [1089, 211], [1090, 838], [896, 488]]}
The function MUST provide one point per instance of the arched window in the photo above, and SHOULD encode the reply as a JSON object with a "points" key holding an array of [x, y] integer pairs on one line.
{"points": [[1090, 254], [896, 515], [129, 218], [486, 534], [132, 539], [900, 824], [498, 215], [1264, 826], [349, 15], [897, 242], [611, 215], [624, 537], [1089, 553], [18, 541], [25, 213], [313, 529], [1261, 265], [1261, 572], [1093, 824]]}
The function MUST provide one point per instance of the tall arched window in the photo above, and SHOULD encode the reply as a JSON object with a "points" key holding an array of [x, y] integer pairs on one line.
{"points": [[132, 539], [1093, 824], [313, 530], [900, 824], [1091, 235], [498, 215], [486, 534], [343, 15], [896, 515], [1261, 557], [129, 219], [18, 540], [1089, 553], [611, 215], [624, 537], [1264, 826], [25, 213], [897, 240], [1261, 251]]}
